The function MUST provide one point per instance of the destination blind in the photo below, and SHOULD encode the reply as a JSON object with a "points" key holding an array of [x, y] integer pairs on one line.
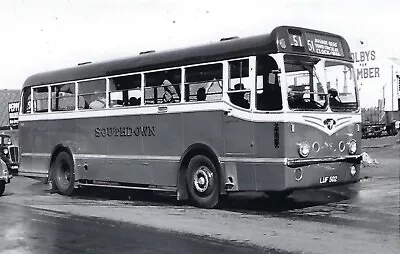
{"points": [[324, 45]]}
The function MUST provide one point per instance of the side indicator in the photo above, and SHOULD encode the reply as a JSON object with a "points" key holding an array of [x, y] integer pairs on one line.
{"points": [[276, 135]]}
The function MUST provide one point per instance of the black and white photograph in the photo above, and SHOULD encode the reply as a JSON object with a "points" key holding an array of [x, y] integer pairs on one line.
{"points": [[199, 126]]}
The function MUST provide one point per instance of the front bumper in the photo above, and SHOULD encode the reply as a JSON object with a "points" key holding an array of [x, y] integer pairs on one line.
{"points": [[294, 163], [6, 176], [322, 172], [13, 167], [293, 173]]}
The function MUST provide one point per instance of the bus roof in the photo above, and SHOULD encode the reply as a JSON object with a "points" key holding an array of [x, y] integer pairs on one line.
{"points": [[217, 51]]}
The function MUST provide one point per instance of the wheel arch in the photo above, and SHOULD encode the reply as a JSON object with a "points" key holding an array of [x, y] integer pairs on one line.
{"points": [[56, 150], [190, 152]]}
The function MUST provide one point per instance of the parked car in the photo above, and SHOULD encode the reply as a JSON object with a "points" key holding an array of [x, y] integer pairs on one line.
{"points": [[10, 152], [5, 175]]}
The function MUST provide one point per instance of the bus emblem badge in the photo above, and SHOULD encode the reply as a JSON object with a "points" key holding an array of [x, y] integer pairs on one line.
{"points": [[329, 123]]}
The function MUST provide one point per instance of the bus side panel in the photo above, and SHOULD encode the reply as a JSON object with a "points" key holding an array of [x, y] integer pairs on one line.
{"points": [[269, 140], [162, 144], [122, 135], [239, 138], [133, 149], [34, 141], [260, 176], [112, 149], [263, 175], [78, 135], [270, 176], [205, 128], [246, 176], [124, 142], [25, 132], [162, 135]]}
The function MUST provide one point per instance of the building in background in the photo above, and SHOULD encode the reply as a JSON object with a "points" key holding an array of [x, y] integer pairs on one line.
{"points": [[378, 77], [7, 96]]}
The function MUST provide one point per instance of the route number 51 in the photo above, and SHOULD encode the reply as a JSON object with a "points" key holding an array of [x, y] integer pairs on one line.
{"points": [[310, 45], [297, 40]]}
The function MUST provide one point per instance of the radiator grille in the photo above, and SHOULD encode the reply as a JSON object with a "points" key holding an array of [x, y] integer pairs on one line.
{"points": [[14, 153]]}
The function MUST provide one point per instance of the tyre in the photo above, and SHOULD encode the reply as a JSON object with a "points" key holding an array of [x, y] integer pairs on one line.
{"points": [[62, 174], [202, 182], [278, 194], [2, 187]]}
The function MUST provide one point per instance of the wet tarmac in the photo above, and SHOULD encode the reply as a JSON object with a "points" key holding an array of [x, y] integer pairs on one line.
{"points": [[29, 230], [360, 218]]}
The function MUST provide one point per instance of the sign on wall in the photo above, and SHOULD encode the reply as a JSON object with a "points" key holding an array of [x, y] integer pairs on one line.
{"points": [[367, 66], [13, 112]]}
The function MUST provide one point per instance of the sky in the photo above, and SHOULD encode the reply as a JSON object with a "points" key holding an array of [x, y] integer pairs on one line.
{"points": [[42, 35]]}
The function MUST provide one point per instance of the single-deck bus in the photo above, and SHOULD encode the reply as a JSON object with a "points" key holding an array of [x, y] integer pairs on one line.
{"points": [[272, 113]]}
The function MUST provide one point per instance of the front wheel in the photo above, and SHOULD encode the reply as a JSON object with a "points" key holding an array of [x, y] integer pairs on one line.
{"points": [[2, 187], [62, 171], [203, 182]]}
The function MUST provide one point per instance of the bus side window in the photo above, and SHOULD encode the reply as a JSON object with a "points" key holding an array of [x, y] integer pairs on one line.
{"points": [[26, 100], [239, 83], [203, 83], [63, 97], [125, 91], [40, 99], [94, 94], [163, 87]]}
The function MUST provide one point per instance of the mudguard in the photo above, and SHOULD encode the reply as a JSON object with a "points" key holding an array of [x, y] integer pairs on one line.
{"points": [[4, 174]]}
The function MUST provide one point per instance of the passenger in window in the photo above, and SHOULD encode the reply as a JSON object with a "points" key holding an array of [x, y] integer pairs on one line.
{"points": [[237, 98], [333, 98], [201, 94], [168, 96], [296, 97], [169, 92], [99, 102], [133, 101], [166, 82]]}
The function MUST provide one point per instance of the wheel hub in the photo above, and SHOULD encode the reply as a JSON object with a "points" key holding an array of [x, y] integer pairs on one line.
{"points": [[202, 179], [64, 174]]}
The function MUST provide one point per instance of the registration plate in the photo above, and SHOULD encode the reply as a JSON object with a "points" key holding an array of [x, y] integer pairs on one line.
{"points": [[328, 179]]}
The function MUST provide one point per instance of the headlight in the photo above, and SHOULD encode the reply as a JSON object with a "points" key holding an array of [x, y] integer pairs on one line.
{"points": [[5, 151], [352, 147], [304, 149]]}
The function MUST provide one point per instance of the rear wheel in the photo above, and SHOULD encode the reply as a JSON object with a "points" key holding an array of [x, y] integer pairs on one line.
{"points": [[2, 187], [203, 182], [63, 176]]}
